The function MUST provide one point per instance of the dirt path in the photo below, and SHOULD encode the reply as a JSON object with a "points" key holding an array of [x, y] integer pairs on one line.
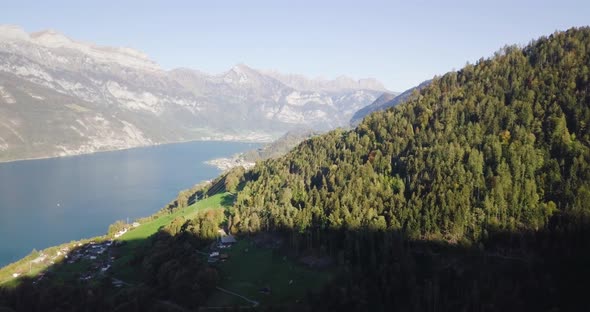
{"points": [[253, 302]]}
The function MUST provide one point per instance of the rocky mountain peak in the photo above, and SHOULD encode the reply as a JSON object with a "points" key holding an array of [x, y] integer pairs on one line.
{"points": [[341, 83], [29, 44], [12, 32], [51, 38]]}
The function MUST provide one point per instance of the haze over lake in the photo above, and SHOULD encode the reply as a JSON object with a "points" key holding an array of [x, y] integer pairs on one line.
{"points": [[51, 201]]}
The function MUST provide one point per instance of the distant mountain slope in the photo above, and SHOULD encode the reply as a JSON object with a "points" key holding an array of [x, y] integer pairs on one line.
{"points": [[379, 102], [385, 101], [301, 82], [275, 149], [138, 103], [37, 121], [280, 146]]}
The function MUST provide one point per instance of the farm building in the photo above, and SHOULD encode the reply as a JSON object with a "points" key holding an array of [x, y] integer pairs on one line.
{"points": [[228, 240]]}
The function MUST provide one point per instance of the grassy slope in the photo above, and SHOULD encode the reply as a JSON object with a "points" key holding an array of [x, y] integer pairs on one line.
{"points": [[142, 232], [246, 272], [137, 237]]}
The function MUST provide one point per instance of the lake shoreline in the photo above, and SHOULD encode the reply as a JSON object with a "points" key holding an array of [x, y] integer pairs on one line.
{"points": [[75, 197], [132, 148], [227, 163]]}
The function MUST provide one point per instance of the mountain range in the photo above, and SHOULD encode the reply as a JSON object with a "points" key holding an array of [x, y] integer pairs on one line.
{"points": [[63, 97]]}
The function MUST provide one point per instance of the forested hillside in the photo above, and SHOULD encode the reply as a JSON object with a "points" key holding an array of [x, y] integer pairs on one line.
{"points": [[501, 144], [473, 195]]}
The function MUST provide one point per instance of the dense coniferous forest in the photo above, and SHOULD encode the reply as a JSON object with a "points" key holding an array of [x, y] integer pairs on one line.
{"points": [[501, 144], [474, 195]]}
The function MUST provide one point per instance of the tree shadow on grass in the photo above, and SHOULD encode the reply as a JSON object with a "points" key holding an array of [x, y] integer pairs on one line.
{"points": [[227, 200]]}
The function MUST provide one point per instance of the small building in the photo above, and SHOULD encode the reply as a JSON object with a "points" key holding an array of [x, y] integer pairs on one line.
{"points": [[212, 260], [228, 240], [135, 224], [120, 233], [39, 259]]}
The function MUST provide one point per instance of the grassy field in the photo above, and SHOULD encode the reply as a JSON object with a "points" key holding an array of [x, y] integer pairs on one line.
{"points": [[136, 237], [246, 272], [145, 230]]}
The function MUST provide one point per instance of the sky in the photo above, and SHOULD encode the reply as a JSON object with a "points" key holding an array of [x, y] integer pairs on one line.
{"points": [[400, 43]]}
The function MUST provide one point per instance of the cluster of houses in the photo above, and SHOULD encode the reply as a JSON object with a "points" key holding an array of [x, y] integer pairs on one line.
{"points": [[225, 241], [90, 251], [96, 252], [93, 251]]}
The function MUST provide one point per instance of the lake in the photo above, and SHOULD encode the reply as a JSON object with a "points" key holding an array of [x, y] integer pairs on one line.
{"points": [[47, 202]]}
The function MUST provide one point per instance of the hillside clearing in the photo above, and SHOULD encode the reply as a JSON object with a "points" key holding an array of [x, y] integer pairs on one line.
{"points": [[251, 269], [137, 237]]}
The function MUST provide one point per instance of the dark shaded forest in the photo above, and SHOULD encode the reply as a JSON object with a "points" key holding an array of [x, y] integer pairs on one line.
{"points": [[474, 195]]}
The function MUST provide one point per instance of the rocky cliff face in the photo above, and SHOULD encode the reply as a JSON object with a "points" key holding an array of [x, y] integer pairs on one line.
{"points": [[59, 97]]}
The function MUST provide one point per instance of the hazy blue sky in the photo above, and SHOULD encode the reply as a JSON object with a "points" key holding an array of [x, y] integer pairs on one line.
{"points": [[399, 43]]}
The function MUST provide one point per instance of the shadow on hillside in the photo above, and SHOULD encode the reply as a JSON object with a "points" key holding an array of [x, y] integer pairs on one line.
{"points": [[161, 273], [378, 271], [227, 200]]}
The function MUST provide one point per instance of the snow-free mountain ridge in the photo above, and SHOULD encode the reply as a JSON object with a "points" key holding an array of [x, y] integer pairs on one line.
{"points": [[60, 96]]}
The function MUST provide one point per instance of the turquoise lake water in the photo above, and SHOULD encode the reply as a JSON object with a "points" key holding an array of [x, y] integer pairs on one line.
{"points": [[51, 201]]}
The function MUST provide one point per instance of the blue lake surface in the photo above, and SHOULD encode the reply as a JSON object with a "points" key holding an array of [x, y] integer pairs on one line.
{"points": [[51, 201]]}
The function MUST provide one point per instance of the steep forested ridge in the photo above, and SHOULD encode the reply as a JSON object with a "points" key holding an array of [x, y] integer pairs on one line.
{"points": [[474, 195], [501, 144]]}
